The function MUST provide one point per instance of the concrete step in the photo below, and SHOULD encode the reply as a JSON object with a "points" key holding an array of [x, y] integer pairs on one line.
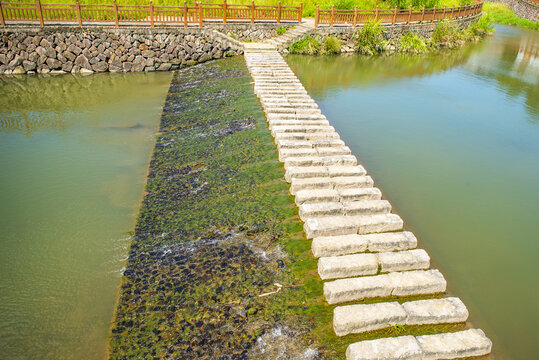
{"points": [[348, 160], [306, 136], [301, 129], [350, 244], [311, 209], [407, 283], [316, 196], [360, 194], [338, 183], [344, 225], [345, 266], [457, 345]]}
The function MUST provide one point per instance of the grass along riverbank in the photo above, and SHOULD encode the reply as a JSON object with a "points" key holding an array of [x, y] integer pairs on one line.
{"points": [[502, 14]]}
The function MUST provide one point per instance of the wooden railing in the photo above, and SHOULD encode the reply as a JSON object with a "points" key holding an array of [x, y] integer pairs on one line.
{"points": [[15, 12], [356, 17]]}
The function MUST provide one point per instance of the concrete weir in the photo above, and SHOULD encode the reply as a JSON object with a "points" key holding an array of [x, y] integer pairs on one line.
{"points": [[362, 249]]}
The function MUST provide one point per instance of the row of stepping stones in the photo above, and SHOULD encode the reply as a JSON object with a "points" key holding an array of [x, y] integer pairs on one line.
{"points": [[362, 250]]}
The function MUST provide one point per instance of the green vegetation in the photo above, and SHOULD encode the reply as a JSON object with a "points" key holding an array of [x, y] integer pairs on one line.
{"points": [[369, 39], [281, 30], [306, 46], [501, 14], [412, 43], [331, 45]]}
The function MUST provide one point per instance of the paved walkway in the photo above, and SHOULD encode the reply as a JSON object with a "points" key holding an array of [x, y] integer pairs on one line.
{"points": [[361, 247]]}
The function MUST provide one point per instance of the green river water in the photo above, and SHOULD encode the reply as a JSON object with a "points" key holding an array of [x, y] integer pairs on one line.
{"points": [[453, 142], [74, 153]]}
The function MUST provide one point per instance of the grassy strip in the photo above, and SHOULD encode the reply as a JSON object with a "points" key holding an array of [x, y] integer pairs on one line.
{"points": [[502, 14]]}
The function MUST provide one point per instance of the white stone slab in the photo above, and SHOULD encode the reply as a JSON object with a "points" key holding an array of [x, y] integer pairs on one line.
{"points": [[338, 245], [367, 207], [417, 282], [304, 161], [310, 210], [328, 143], [461, 344], [349, 182], [292, 144], [377, 223], [344, 266], [416, 259], [351, 289], [360, 193], [331, 151], [336, 170], [303, 172], [316, 195], [310, 183], [391, 241], [435, 311], [354, 319], [329, 226], [340, 160], [396, 348], [286, 153]]}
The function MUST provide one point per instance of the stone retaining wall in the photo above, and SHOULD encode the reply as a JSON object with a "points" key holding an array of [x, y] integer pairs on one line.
{"points": [[73, 49], [250, 32], [391, 33], [523, 8]]}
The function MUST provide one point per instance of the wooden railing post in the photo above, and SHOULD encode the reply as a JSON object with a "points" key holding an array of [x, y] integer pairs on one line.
{"points": [[151, 13], [394, 16], [434, 13], [253, 12], [79, 14], [279, 13], [452, 10], [376, 14], [2, 22], [409, 14], [422, 14], [39, 13], [224, 11], [185, 14], [332, 15], [200, 14], [115, 6], [300, 16], [317, 16], [443, 15], [355, 16]]}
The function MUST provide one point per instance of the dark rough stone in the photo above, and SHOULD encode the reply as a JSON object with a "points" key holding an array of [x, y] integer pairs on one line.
{"points": [[101, 66], [29, 65], [53, 64], [82, 62]]}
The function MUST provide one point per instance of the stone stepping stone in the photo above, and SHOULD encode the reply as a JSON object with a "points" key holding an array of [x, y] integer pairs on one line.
{"points": [[417, 282], [396, 348], [435, 311], [327, 143], [301, 128], [294, 153], [360, 193], [331, 151], [293, 144], [357, 170], [366, 207], [302, 172], [356, 319], [337, 183], [316, 196], [416, 259], [344, 225], [309, 210], [461, 344], [350, 244], [336, 267], [320, 209], [345, 160], [344, 266], [306, 136]]}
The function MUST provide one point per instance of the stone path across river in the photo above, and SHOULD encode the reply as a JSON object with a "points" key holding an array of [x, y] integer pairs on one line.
{"points": [[362, 248]]}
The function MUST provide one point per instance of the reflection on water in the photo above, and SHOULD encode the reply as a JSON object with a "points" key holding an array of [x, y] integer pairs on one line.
{"points": [[74, 152], [453, 142]]}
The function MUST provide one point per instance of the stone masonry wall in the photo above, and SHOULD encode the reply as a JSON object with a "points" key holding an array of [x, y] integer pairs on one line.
{"points": [[391, 33], [248, 31], [523, 8], [86, 50]]}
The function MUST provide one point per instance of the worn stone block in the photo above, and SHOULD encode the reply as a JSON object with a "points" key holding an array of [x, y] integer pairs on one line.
{"points": [[354, 319], [360, 193], [391, 241], [344, 266], [329, 226], [337, 170], [404, 260], [338, 245], [316, 195], [349, 182], [351, 289], [377, 223], [303, 172], [401, 348], [310, 183], [435, 311], [367, 207], [417, 282], [310, 210], [461, 344]]}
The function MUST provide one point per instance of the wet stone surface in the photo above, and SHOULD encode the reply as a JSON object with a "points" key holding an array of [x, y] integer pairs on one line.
{"points": [[207, 275]]}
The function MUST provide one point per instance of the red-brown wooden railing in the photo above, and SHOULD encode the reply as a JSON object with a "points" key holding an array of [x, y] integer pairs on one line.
{"points": [[47, 14], [356, 17]]}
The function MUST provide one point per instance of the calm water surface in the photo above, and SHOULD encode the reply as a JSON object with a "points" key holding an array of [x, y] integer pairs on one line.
{"points": [[74, 152], [453, 141]]}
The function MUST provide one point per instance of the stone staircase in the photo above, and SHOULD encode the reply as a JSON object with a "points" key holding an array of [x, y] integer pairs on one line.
{"points": [[282, 42], [362, 250]]}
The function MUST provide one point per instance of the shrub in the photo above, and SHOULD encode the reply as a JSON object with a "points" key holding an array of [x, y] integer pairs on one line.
{"points": [[281, 30], [480, 28], [445, 32], [306, 46], [331, 46], [369, 39], [412, 43]]}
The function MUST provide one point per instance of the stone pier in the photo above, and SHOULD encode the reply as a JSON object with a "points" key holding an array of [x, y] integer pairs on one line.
{"points": [[362, 247]]}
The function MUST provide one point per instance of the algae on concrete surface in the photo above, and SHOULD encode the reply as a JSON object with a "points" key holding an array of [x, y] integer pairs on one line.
{"points": [[210, 273]]}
